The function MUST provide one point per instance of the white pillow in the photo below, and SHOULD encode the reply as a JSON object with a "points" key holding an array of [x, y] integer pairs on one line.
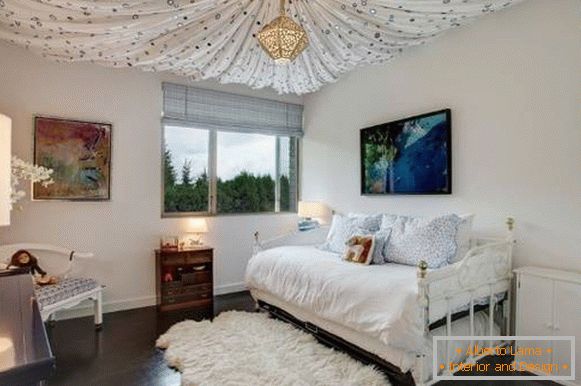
{"points": [[371, 222], [342, 229], [381, 241], [414, 238], [463, 237]]}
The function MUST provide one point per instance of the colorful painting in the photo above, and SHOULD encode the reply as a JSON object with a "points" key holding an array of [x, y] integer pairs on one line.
{"points": [[80, 155], [409, 156]]}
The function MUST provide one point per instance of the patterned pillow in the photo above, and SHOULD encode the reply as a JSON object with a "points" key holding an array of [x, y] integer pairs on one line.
{"points": [[430, 239], [359, 249], [382, 238], [342, 228], [371, 222], [463, 237], [381, 241]]}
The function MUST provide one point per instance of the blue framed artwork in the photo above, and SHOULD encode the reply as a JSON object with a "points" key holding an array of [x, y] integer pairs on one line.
{"points": [[408, 156]]}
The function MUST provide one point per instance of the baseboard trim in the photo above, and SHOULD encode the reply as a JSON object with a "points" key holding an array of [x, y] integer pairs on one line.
{"points": [[86, 309], [230, 288]]}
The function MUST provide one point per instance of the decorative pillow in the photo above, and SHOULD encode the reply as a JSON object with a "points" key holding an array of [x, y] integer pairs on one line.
{"points": [[381, 241], [430, 239], [371, 222], [382, 238], [342, 228], [463, 237], [359, 249], [387, 220]]}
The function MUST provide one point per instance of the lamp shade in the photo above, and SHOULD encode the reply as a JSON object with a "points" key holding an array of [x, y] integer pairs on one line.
{"points": [[197, 225], [5, 169], [310, 209]]}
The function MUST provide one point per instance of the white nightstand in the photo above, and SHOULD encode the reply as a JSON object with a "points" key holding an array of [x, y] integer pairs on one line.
{"points": [[548, 303]]}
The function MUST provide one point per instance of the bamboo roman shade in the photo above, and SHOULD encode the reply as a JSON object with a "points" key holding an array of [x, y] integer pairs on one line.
{"points": [[209, 109]]}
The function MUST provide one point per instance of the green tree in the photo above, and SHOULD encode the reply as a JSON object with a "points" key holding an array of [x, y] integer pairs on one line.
{"points": [[187, 173], [284, 193], [200, 193], [245, 193], [169, 172]]}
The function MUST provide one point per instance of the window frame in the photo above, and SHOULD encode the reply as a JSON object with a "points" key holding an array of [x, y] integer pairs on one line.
{"points": [[213, 179]]}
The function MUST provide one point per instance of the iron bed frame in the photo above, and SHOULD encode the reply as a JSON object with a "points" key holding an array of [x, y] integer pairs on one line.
{"points": [[486, 268]]}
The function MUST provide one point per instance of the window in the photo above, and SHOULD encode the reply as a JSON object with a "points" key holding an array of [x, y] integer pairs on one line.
{"points": [[185, 172], [226, 154], [253, 173]]}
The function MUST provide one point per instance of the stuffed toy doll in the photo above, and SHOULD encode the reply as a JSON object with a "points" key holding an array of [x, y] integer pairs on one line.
{"points": [[24, 259]]}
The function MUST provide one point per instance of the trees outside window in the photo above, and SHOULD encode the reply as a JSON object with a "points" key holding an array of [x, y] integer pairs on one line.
{"points": [[214, 172]]}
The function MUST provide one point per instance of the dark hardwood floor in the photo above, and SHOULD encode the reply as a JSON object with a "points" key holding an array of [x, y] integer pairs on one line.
{"points": [[124, 353]]}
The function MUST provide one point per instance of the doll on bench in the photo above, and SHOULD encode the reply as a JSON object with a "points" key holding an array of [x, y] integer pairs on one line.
{"points": [[24, 259]]}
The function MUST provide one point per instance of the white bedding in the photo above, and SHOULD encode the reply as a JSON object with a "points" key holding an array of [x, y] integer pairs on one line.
{"points": [[377, 300]]}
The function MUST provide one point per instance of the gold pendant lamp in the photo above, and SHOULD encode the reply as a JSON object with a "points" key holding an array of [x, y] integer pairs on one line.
{"points": [[283, 39]]}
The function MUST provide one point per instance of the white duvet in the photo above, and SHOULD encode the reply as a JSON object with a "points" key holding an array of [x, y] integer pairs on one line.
{"points": [[378, 300]]}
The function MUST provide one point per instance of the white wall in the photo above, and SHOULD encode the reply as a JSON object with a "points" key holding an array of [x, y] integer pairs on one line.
{"points": [[123, 232], [513, 82]]}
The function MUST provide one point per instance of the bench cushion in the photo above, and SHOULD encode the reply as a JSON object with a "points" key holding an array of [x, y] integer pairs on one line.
{"points": [[66, 288]]}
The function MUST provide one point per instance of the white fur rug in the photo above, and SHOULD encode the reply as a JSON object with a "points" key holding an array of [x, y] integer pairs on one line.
{"points": [[242, 348]]}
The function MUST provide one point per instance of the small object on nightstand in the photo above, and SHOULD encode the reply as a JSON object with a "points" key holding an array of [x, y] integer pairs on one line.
{"points": [[184, 279], [169, 243]]}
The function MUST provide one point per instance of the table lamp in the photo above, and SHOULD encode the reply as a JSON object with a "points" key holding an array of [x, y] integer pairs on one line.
{"points": [[196, 226], [5, 169], [309, 211]]}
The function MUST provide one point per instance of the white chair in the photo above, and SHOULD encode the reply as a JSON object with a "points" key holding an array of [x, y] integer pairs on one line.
{"points": [[71, 290]]}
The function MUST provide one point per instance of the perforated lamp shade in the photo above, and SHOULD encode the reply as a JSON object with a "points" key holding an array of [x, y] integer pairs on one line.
{"points": [[283, 39], [312, 209], [5, 156], [197, 225]]}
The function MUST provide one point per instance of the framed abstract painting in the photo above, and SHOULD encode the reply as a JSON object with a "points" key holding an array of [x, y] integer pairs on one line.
{"points": [[80, 155], [408, 156]]}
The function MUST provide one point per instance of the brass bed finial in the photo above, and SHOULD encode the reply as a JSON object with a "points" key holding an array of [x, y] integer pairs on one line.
{"points": [[510, 223], [422, 269]]}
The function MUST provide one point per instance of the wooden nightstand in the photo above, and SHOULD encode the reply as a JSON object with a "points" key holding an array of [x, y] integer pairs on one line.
{"points": [[184, 279]]}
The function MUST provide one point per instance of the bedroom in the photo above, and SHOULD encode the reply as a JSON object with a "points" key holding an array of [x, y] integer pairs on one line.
{"points": [[510, 79]]}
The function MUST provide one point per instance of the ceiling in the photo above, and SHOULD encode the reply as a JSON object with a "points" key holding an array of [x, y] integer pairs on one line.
{"points": [[206, 39]]}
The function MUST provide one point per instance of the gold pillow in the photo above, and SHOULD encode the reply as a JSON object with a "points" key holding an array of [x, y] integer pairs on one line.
{"points": [[359, 249]]}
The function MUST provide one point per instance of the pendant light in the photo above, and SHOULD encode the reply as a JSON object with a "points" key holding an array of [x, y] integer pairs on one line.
{"points": [[283, 39]]}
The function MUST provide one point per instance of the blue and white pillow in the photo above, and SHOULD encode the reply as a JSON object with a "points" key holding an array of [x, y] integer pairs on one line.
{"points": [[413, 239], [463, 237], [371, 222], [342, 229], [381, 241]]}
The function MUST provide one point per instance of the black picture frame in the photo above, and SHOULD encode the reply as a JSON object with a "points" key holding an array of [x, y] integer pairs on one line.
{"points": [[387, 126]]}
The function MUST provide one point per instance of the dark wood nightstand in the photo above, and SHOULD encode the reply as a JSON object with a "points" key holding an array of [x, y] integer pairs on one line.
{"points": [[184, 279]]}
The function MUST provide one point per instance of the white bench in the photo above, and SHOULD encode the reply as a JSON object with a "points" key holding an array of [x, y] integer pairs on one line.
{"points": [[69, 291]]}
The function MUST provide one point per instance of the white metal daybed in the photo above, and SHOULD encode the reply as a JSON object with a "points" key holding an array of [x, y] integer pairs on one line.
{"points": [[342, 303]]}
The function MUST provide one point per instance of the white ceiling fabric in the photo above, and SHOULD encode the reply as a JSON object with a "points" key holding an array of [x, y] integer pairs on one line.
{"points": [[215, 39]]}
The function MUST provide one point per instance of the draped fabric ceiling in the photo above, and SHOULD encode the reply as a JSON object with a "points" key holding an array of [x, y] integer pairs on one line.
{"points": [[217, 38]]}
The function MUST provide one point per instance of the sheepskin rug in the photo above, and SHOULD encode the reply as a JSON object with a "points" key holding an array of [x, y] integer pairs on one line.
{"points": [[242, 348]]}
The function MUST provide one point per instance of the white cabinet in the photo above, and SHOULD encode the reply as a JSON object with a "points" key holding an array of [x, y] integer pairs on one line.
{"points": [[548, 303]]}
